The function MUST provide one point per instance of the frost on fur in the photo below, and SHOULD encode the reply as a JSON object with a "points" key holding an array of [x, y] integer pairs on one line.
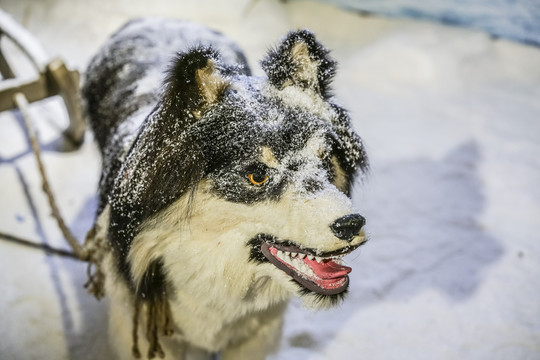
{"points": [[300, 60], [223, 190]]}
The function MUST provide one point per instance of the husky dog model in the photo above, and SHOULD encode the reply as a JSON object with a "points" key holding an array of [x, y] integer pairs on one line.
{"points": [[222, 194]]}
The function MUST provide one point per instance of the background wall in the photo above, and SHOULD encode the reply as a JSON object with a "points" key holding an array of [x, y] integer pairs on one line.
{"points": [[451, 120], [517, 20]]}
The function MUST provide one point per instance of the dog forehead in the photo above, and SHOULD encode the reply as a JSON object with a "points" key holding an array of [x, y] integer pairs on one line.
{"points": [[246, 121], [255, 94]]}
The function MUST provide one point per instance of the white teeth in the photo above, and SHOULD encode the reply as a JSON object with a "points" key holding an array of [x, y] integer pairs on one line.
{"points": [[283, 254], [299, 265]]}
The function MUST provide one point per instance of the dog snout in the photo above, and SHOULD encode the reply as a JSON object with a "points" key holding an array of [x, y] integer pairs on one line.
{"points": [[347, 227]]}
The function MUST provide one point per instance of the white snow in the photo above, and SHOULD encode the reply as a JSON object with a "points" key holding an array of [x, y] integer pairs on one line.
{"points": [[451, 121]]}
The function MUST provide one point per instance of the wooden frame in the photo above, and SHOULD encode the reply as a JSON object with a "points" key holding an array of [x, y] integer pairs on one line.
{"points": [[54, 78]]}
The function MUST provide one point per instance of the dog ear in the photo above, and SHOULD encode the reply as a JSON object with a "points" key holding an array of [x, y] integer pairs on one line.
{"points": [[300, 60], [194, 82]]}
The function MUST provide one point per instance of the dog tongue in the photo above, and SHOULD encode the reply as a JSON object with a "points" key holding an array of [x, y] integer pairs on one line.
{"points": [[327, 269]]}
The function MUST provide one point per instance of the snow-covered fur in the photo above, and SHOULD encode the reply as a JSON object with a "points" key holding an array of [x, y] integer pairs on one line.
{"points": [[222, 194]]}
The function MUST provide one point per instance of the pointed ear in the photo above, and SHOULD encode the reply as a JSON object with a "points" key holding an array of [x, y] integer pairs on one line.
{"points": [[300, 60], [195, 81]]}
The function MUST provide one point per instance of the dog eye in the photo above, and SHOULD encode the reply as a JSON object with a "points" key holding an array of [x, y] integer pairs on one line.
{"points": [[257, 178]]}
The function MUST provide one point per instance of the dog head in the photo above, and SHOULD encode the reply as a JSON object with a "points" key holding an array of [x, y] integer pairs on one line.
{"points": [[256, 170]]}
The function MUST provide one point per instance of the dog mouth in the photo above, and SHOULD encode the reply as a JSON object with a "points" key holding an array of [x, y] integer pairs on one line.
{"points": [[323, 274]]}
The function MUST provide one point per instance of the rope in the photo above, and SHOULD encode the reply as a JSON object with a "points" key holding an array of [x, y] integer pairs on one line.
{"points": [[79, 253], [33, 244]]}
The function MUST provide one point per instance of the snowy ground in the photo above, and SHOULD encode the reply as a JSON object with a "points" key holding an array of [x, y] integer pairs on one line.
{"points": [[451, 119]]}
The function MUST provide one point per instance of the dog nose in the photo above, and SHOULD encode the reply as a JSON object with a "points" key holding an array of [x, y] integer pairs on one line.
{"points": [[348, 226]]}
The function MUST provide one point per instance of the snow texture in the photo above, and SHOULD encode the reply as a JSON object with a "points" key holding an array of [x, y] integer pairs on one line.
{"points": [[450, 118]]}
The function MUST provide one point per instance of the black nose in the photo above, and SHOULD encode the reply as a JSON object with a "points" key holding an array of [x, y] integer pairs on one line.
{"points": [[348, 226]]}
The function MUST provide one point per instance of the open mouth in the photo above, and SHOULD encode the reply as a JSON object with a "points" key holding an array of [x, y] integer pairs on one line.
{"points": [[323, 274]]}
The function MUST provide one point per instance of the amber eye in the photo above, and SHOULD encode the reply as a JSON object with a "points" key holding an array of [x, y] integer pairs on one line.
{"points": [[258, 179]]}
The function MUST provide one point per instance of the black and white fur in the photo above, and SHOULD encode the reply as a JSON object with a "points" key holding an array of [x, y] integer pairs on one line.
{"points": [[206, 170]]}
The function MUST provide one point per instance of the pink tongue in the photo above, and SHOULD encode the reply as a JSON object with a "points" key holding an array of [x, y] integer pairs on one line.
{"points": [[327, 269]]}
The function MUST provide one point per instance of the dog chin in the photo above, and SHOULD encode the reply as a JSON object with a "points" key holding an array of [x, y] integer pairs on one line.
{"points": [[314, 301], [309, 299]]}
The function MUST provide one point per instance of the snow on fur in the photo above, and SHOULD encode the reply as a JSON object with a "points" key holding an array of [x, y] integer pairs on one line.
{"points": [[179, 161]]}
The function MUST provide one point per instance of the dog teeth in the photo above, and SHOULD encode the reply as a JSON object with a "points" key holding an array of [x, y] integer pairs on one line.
{"points": [[295, 255]]}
